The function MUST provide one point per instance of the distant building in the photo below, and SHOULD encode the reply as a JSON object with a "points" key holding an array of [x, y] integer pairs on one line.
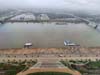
{"points": [[25, 17], [29, 17], [43, 17]]}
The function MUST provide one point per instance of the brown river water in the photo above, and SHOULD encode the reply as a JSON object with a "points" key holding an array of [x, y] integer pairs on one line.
{"points": [[15, 35]]}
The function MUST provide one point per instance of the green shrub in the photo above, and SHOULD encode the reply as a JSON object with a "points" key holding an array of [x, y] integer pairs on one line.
{"points": [[11, 72]]}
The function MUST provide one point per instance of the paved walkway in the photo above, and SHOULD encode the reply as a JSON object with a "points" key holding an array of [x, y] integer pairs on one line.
{"points": [[51, 65]]}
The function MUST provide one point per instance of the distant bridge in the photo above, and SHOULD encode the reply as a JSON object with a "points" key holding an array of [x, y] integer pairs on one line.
{"points": [[7, 20], [89, 23]]}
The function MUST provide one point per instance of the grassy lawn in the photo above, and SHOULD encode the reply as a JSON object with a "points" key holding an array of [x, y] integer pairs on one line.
{"points": [[49, 73], [94, 65], [90, 67], [12, 68]]}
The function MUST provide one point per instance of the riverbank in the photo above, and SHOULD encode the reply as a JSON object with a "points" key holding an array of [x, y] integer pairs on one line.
{"points": [[74, 53]]}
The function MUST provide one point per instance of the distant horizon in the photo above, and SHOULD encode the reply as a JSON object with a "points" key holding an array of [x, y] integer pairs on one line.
{"points": [[90, 6]]}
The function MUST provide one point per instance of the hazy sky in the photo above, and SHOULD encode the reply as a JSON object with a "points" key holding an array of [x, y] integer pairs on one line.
{"points": [[91, 5]]}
